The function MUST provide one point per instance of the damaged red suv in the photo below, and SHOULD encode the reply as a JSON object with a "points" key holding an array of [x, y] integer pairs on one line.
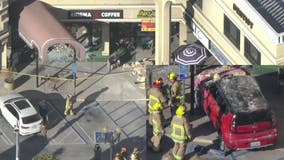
{"points": [[234, 103]]}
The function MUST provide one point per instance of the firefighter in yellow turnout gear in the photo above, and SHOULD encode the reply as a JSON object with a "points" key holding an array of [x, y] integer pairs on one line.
{"points": [[180, 133], [156, 97], [175, 95], [158, 130]]}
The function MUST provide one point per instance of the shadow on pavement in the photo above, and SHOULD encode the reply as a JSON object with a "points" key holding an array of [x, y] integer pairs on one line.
{"points": [[203, 129], [29, 148], [91, 98], [128, 143], [21, 80]]}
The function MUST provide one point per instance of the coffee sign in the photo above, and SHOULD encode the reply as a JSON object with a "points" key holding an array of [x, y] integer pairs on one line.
{"points": [[96, 14]]}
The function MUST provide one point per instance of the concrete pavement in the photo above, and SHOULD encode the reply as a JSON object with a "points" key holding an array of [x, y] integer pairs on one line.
{"points": [[102, 100]]}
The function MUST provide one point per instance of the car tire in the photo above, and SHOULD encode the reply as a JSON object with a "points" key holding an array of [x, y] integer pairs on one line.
{"points": [[222, 145]]}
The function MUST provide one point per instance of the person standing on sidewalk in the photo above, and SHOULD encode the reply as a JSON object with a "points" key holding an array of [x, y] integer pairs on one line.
{"points": [[43, 110], [174, 91], [123, 153], [180, 133], [43, 129], [158, 130], [68, 105], [135, 154], [156, 97]]}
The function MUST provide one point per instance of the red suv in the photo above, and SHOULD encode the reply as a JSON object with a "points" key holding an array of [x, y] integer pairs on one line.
{"points": [[234, 103]]}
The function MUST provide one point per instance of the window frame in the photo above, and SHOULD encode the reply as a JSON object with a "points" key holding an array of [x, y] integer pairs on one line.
{"points": [[248, 48], [228, 26]]}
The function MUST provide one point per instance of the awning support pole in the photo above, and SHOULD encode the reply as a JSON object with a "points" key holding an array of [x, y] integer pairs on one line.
{"points": [[36, 55], [192, 100]]}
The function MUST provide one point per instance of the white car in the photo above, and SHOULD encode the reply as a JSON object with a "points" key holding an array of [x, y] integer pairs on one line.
{"points": [[19, 111]]}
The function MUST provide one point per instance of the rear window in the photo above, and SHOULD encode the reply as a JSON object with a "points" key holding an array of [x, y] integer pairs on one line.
{"points": [[31, 119], [22, 104], [246, 118]]}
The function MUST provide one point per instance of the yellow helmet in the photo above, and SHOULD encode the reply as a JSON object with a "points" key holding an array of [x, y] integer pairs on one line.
{"points": [[180, 111], [157, 106], [172, 76]]}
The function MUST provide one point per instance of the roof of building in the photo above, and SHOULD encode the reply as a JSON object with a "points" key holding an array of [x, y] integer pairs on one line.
{"points": [[272, 11]]}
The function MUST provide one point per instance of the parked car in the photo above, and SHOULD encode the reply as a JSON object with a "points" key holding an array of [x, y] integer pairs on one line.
{"points": [[19, 112], [237, 108]]}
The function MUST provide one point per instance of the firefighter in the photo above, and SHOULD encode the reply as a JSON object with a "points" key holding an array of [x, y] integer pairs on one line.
{"points": [[174, 90], [158, 130], [180, 133], [156, 97], [68, 106]]}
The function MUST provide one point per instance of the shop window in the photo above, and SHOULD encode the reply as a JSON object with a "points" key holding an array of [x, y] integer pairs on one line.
{"points": [[251, 53], [232, 32]]}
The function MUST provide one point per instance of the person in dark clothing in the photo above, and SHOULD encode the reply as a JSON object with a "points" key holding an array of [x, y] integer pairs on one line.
{"points": [[43, 110]]}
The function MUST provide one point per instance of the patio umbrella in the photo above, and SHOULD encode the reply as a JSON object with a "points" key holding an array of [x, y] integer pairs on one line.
{"points": [[190, 54]]}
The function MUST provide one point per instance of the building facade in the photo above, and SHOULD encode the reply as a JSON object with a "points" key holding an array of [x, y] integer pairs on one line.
{"points": [[103, 18], [5, 45], [241, 32]]}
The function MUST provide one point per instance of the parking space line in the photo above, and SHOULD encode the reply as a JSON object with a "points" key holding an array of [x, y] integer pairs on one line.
{"points": [[116, 109], [6, 138], [112, 120], [125, 114], [144, 112], [65, 135], [66, 121], [144, 125], [78, 124], [132, 121]]}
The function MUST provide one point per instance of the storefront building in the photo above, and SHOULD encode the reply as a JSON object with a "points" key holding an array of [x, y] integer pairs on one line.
{"points": [[241, 32], [5, 47], [109, 20]]}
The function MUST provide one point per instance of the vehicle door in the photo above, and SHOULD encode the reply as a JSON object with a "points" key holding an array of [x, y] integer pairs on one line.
{"points": [[214, 105], [11, 115]]}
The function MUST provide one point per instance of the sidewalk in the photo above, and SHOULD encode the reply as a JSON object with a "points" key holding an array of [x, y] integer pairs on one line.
{"points": [[93, 84]]}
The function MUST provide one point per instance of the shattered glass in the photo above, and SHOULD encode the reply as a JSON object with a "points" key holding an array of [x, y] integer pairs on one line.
{"points": [[243, 93], [61, 52]]}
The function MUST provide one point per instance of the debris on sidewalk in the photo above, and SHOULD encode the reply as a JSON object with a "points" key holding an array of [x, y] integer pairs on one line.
{"points": [[139, 70]]}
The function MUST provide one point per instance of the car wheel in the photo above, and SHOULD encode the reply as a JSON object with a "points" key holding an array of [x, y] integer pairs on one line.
{"points": [[222, 146]]}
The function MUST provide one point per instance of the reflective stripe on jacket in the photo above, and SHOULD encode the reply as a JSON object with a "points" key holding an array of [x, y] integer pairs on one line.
{"points": [[180, 129]]}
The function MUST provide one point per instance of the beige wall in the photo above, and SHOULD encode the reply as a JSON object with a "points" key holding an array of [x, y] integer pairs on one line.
{"points": [[212, 19], [4, 38]]}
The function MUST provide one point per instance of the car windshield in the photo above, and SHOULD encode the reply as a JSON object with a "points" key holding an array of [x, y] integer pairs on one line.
{"points": [[246, 118], [243, 94], [31, 119], [22, 104]]}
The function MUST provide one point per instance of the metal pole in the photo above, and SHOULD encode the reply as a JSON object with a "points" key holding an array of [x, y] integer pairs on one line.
{"points": [[192, 89], [17, 142], [36, 57], [74, 74]]}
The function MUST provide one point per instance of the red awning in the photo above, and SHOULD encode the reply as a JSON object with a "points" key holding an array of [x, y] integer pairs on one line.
{"points": [[41, 30]]}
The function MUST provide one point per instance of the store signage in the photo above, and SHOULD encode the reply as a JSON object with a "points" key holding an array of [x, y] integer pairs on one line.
{"points": [[96, 14], [200, 35], [242, 15], [146, 14], [147, 26], [218, 54]]}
